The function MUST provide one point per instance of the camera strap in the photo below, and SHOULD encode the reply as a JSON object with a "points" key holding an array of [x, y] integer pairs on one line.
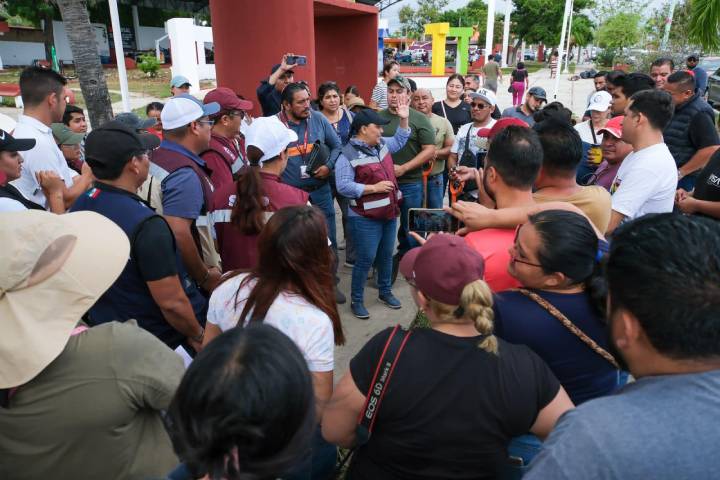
{"points": [[378, 386]]}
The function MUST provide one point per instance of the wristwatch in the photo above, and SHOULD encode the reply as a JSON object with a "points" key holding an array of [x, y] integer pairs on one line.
{"points": [[680, 174]]}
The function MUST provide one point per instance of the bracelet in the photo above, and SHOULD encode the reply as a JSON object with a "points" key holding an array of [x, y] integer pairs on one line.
{"points": [[200, 337]]}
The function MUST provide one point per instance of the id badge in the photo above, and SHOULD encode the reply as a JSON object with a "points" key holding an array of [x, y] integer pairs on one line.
{"points": [[303, 172]]}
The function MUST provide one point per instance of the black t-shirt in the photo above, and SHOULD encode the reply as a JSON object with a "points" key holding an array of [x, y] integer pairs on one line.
{"points": [[707, 186], [451, 408], [702, 131], [519, 75], [153, 249], [457, 116]]}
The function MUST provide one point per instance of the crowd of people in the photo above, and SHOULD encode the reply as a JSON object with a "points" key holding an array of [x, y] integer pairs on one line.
{"points": [[169, 284]]}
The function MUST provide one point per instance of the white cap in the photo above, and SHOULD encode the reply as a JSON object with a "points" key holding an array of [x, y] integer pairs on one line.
{"points": [[600, 101], [183, 109], [485, 95], [269, 135]]}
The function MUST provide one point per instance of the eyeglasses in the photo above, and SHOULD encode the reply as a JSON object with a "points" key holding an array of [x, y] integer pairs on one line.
{"points": [[207, 122], [513, 251], [479, 106], [236, 113]]}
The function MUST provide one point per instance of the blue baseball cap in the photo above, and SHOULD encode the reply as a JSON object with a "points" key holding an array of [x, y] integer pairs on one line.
{"points": [[179, 80]]}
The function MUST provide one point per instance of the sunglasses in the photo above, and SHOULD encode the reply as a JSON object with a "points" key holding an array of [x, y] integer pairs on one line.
{"points": [[513, 254], [479, 106]]}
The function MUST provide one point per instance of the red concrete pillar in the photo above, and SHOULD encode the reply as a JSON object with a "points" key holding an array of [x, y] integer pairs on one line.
{"points": [[250, 37]]}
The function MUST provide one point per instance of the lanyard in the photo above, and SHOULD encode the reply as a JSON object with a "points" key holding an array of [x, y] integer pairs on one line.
{"points": [[303, 150]]}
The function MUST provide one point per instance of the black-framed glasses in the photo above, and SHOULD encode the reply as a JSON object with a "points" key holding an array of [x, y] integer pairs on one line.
{"points": [[513, 251], [236, 113], [479, 106]]}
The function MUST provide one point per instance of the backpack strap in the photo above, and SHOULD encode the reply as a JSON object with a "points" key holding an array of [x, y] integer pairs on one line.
{"points": [[567, 323]]}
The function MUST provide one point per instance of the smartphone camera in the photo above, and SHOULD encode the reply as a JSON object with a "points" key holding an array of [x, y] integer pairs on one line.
{"points": [[299, 60], [429, 220]]}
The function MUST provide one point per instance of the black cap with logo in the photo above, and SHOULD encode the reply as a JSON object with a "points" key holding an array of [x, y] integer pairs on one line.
{"points": [[8, 143], [366, 117]]}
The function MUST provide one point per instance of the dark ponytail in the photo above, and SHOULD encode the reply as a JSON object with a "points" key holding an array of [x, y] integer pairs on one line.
{"points": [[248, 213], [569, 245]]}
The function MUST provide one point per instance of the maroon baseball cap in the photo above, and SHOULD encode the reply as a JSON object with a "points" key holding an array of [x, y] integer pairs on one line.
{"points": [[227, 99], [443, 267], [503, 123]]}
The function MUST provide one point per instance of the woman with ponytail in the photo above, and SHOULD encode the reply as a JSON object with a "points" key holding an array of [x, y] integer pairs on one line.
{"points": [[457, 394], [241, 209], [556, 257]]}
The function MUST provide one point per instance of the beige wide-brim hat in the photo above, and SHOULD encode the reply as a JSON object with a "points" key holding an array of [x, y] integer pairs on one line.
{"points": [[52, 270]]}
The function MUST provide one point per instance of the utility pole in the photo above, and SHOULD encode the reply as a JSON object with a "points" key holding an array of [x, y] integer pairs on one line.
{"points": [[566, 15], [569, 36], [506, 32], [668, 24]]}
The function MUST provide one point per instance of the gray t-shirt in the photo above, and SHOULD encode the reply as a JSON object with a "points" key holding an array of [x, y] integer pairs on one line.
{"points": [[663, 427]]}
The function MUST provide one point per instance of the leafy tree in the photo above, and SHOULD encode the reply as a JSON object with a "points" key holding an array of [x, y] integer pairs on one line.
{"points": [[413, 20], [619, 31], [540, 21], [83, 46], [704, 23], [582, 30], [605, 9], [475, 14], [654, 27]]}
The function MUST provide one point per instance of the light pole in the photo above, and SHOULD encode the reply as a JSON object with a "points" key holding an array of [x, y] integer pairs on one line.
{"points": [[119, 55], [506, 32], [569, 35], [566, 15], [668, 25], [489, 28]]}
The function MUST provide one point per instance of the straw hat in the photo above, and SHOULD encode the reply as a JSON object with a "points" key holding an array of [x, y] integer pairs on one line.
{"points": [[52, 270]]}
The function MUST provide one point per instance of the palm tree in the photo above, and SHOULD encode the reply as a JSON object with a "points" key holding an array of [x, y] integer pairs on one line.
{"points": [[87, 60], [704, 23]]}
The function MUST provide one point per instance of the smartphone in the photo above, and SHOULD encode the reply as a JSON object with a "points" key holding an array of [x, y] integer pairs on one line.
{"points": [[432, 220], [296, 60]]}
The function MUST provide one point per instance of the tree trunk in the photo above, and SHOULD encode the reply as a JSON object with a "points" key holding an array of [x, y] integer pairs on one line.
{"points": [[87, 60], [48, 36]]}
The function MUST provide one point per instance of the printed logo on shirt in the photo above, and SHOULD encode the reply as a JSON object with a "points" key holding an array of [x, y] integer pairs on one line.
{"points": [[615, 185], [713, 180]]}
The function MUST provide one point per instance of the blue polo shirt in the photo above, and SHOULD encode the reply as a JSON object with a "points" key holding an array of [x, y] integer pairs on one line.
{"points": [[181, 190]]}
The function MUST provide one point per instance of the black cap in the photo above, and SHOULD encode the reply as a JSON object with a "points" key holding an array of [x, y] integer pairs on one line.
{"points": [[8, 143], [366, 117], [693, 56], [114, 142]]}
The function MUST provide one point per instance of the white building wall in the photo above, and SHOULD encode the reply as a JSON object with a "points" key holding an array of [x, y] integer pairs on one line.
{"points": [[20, 53]]}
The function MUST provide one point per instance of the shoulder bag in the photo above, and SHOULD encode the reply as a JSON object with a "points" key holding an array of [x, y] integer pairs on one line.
{"points": [[376, 391], [570, 326]]}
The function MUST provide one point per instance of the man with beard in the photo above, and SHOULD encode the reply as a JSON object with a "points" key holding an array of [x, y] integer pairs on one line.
{"points": [[534, 99], [511, 165], [310, 127], [663, 279]]}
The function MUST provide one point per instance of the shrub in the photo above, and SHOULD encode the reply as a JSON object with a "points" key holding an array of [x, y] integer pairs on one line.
{"points": [[149, 65]]}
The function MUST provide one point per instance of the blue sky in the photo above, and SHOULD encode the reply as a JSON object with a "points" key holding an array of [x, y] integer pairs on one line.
{"points": [[392, 13]]}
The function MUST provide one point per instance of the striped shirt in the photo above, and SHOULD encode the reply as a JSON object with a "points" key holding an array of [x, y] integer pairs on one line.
{"points": [[379, 94]]}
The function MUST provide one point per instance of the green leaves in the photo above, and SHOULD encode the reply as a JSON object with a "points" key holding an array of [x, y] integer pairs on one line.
{"points": [[619, 31], [704, 23]]}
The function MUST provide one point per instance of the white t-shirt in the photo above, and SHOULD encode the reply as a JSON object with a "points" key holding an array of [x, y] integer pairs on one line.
{"points": [[476, 143], [645, 182], [44, 156], [308, 326], [10, 205], [586, 134]]}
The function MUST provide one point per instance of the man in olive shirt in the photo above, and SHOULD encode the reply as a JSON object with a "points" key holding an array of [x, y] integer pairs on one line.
{"points": [[409, 160], [491, 72]]}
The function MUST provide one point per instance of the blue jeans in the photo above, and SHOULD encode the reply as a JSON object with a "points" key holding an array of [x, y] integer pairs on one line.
{"points": [[322, 198], [349, 244], [374, 242], [412, 198], [435, 191], [525, 446], [319, 465]]}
